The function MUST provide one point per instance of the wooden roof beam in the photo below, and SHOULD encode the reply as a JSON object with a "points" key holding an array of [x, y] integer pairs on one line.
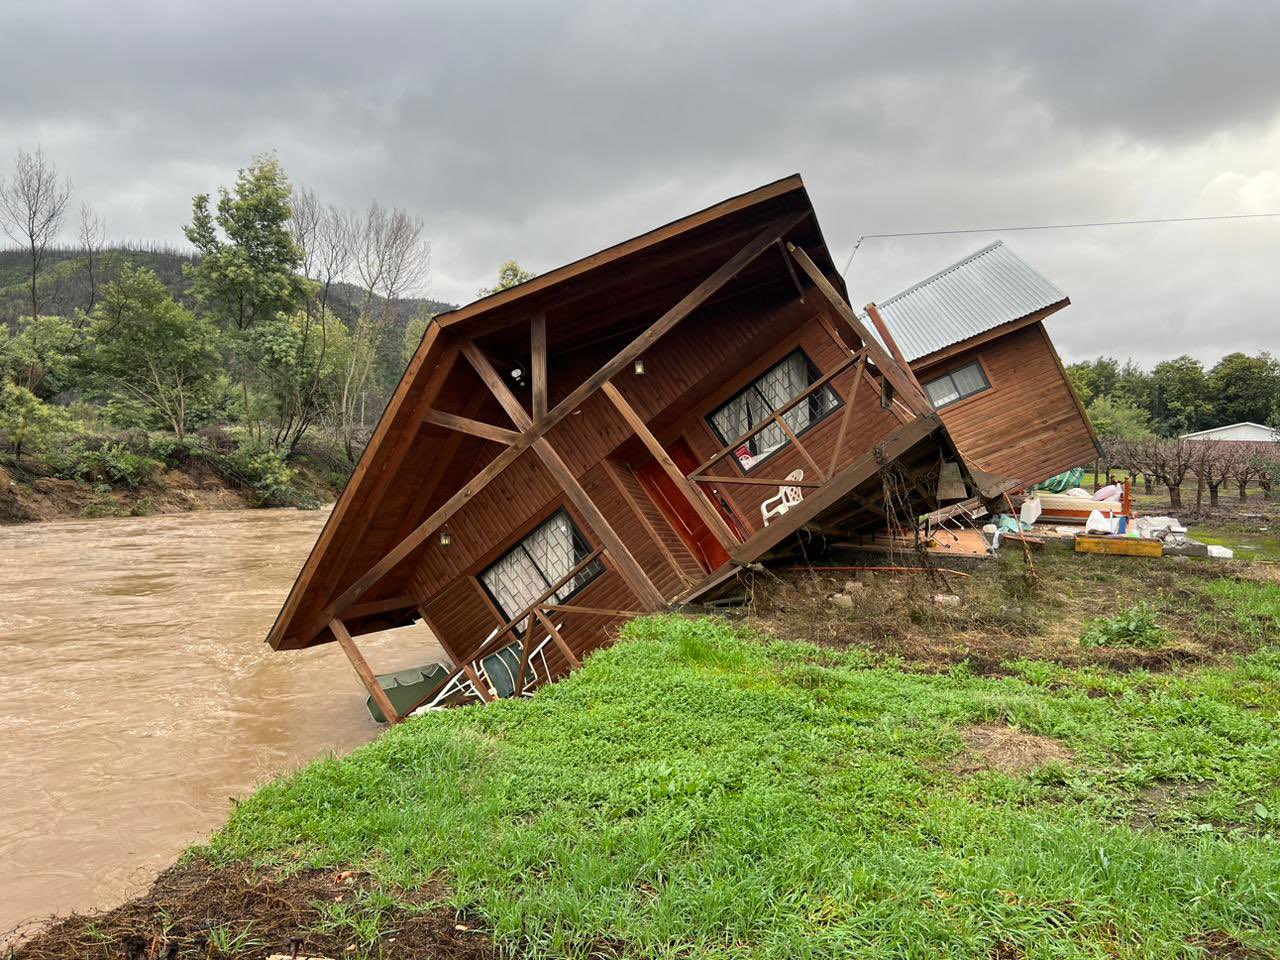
{"points": [[476, 428]]}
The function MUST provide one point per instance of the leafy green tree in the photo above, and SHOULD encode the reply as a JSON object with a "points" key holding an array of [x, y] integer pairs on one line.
{"points": [[249, 257], [510, 274], [1115, 418], [1135, 387], [414, 331], [1245, 388], [1182, 401], [1094, 378], [152, 353], [44, 355], [27, 421]]}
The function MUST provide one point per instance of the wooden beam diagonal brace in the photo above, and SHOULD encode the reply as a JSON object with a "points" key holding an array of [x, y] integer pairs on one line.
{"points": [[763, 241], [476, 428]]}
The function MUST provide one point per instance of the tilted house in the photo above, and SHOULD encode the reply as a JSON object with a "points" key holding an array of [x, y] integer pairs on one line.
{"points": [[974, 336], [618, 434]]}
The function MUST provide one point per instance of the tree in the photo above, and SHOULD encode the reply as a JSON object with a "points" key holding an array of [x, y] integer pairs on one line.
{"points": [[1245, 388], [414, 331], [1168, 460], [510, 275], [32, 206], [44, 354], [153, 352], [92, 236], [26, 420], [249, 256], [1181, 391], [1115, 418], [1093, 378]]}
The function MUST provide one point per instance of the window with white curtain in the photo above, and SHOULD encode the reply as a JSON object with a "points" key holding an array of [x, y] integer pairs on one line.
{"points": [[958, 384], [537, 563], [773, 390]]}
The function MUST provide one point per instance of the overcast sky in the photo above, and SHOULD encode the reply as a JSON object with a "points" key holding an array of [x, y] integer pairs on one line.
{"points": [[545, 132]]}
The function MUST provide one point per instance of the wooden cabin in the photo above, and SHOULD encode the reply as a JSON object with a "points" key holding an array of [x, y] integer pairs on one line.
{"points": [[622, 433], [974, 337]]}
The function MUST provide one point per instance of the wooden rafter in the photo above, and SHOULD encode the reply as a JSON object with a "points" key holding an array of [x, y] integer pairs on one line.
{"points": [[538, 354], [476, 428], [900, 378], [687, 304], [628, 567]]}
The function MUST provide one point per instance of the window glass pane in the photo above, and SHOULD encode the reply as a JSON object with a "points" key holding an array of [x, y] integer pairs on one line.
{"points": [[942, 391], [969, 380], [772, 391], [514, 582]]}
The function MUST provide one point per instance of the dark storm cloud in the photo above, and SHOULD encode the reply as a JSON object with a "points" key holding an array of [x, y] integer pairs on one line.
{"points": [[544, 133]]}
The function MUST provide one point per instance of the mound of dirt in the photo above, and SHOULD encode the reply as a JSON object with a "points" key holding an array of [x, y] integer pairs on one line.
{"points": [[195, 910], [995, 746]]}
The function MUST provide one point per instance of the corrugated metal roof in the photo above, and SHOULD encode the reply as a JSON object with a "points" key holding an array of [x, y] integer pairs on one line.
{"points": [[982, 291]]}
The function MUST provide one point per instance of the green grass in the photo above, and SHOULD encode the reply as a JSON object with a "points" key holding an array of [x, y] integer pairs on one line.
{"points": [[696, 792]]}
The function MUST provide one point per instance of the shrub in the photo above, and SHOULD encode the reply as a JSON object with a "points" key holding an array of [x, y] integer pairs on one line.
{"points": [[1135, 627], [261, 471], [173, 452], [115, 463]]}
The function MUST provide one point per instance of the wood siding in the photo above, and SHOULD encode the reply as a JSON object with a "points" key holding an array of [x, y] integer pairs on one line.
{"points": [[1027, 426]]}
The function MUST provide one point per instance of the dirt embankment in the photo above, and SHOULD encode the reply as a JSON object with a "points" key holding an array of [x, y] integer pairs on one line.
{"points": [[195, 487]]}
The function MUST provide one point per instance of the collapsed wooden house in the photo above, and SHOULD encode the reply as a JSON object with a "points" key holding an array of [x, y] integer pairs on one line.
{"points": [[619, 434], [973, 335]]}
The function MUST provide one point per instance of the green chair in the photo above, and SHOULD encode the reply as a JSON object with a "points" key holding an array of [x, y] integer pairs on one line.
{"points": [[406, 688]]}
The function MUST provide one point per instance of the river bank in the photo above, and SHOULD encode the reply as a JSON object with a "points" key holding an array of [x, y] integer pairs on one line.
{"points": [[799, 781], [137, 696]]}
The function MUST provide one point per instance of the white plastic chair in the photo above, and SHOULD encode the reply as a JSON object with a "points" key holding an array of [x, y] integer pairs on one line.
{"points": [[786, 498]]}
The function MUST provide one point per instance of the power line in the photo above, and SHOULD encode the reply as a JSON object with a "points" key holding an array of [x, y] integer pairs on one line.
{"points": [[1046, 226]]}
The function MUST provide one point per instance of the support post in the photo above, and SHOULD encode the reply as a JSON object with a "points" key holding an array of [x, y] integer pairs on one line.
{"points": [[538, 353], [559, 640], [363, 671]]}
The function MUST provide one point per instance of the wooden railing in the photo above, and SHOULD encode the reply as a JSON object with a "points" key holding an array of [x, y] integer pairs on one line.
{"points": [[535, 611]]}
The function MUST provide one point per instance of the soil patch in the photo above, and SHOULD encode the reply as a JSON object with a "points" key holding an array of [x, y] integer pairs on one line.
{"points": [[1153, 801], [196, 910], [995, 746]]}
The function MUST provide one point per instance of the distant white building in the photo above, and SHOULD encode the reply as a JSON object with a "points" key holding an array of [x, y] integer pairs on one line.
{"points": [[1253, 432]]}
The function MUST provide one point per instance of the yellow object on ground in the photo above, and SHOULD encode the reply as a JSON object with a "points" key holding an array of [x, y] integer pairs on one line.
{"points": [[1120, 546]]}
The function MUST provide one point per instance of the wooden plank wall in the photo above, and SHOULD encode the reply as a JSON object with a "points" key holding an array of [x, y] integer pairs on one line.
{"points": [[1026, 427]]}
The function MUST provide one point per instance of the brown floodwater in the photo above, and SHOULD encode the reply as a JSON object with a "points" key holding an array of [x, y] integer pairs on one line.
{"points": [[137, 696]]}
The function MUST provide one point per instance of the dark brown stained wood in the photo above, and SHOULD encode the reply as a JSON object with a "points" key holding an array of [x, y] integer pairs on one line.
{"points": [[563, 409], [482, 689], [612, 474], [538, 348], [800, 448], [559, 640], [696, 500], [848, 412], [757, 481], [887, 336], [887, 366], [364, 672], [475, 428], [402, 602], [628, 566]]}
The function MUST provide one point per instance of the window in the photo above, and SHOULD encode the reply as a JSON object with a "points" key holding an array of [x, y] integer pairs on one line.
{"points": [[774, 390], [539, 562], [958, 384]]}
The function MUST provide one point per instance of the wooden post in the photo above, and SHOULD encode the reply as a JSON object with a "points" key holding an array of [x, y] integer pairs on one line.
{"points": [[538, 350], [559, 640], [710, 516], [363, 670], [848, 412]]}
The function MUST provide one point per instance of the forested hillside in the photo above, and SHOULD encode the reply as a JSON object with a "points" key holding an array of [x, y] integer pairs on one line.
{"points": [[257, 359]]}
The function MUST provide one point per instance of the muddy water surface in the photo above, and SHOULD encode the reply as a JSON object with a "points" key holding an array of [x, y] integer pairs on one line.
{"points": [[137, 696]]}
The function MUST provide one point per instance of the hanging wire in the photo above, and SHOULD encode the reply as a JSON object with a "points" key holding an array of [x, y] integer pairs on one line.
{"points": [[1047, 226]]}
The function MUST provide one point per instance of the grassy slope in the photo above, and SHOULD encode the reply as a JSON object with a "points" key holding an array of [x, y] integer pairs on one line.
{"points": [[697, 791]]}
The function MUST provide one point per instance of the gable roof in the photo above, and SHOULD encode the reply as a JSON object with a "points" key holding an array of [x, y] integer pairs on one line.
{"points": [[402, 474], [983, 291], [1265, 432]]}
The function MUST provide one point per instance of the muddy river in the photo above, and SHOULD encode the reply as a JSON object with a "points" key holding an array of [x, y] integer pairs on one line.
{"points": [[137, 696]]}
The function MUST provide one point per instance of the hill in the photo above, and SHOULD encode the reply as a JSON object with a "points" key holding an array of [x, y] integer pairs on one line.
{"points": [[64, 281]]}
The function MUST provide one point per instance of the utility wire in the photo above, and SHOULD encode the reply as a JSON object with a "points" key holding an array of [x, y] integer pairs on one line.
{"points": [[1046, 226]]}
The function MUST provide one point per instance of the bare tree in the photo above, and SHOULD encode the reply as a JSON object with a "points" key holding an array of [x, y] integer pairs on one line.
{"points": [[391, 259], [92, 236], [32, 206], [1168, 461], [1213, 462]]}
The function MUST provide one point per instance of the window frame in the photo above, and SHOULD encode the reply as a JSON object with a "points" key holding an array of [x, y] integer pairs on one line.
{"points": [[814, 372], [985, 388], [591, 571]]}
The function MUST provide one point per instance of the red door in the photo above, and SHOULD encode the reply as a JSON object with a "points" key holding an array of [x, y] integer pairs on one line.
{"points": [[671, 500]]}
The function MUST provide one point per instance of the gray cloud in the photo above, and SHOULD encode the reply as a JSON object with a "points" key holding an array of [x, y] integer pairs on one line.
{"points": [[544, 133]]}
